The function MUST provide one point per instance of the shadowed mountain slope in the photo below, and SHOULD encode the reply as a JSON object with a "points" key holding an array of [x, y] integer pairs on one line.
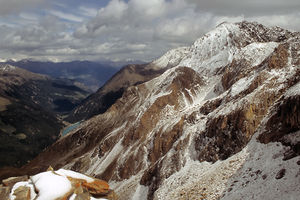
{"points": [[30, 105]]}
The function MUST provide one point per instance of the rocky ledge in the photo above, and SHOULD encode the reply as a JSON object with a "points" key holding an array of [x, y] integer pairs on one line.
{"points": [[55, 185]]}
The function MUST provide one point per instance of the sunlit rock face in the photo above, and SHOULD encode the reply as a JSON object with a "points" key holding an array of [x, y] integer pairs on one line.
{"points": [[219, 122]]}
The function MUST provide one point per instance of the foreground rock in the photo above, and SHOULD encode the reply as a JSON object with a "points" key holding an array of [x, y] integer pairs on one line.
{"points": [[57, 185]]}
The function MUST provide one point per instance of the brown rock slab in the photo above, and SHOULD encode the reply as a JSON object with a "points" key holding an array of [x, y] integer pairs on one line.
{"points": [[97, 187], [13, 180]]}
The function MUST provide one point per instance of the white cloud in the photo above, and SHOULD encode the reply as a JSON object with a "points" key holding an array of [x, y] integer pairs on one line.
{"points": [[29, 16], [133, 29], [66, 16], [88, 11], [184, 29], [247, 8], [289, 21], [148, 9], [159, 25]]}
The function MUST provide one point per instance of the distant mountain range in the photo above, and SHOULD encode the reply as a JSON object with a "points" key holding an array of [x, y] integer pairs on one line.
{"points": [[91, 75], [35, 98]]}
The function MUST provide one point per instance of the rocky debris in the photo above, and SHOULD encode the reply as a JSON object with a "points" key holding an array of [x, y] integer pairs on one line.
{"points": [[54, 185], [280, 174], [264, 176], [207, 185]]}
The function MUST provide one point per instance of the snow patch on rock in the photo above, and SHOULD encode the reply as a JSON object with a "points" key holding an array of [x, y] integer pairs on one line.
{"points": [[171, 58], [294, 90], [140, 193], [241, 85], [256, 53], [72, 174], [50, 185]]}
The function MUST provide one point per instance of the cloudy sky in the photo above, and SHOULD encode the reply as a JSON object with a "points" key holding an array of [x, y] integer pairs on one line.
{"points": [[64, 30]]}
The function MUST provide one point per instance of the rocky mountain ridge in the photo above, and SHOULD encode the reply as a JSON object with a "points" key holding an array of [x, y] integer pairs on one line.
{"points": [[220, 122], [40, 89], [30, 106], [114, 88], [86, 74]]}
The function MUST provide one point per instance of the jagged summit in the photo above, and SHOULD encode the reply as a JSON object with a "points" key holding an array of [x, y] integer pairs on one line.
{"points": [[218, 47], [220, 121]]}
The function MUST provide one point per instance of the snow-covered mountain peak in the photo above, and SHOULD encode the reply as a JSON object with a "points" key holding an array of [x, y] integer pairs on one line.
{"points": [[215, 49], [216, 46], [228, 41], [220, 35]]}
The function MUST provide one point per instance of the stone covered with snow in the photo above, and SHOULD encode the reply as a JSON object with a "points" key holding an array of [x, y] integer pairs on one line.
{"points": [[61, 184]]}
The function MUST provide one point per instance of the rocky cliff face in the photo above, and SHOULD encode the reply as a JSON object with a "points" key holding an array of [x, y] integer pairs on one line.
{"points": [[221, 122]]}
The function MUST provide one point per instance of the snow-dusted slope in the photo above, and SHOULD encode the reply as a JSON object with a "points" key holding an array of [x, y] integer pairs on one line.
{"points": [[191, 132], [218, 48]]}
